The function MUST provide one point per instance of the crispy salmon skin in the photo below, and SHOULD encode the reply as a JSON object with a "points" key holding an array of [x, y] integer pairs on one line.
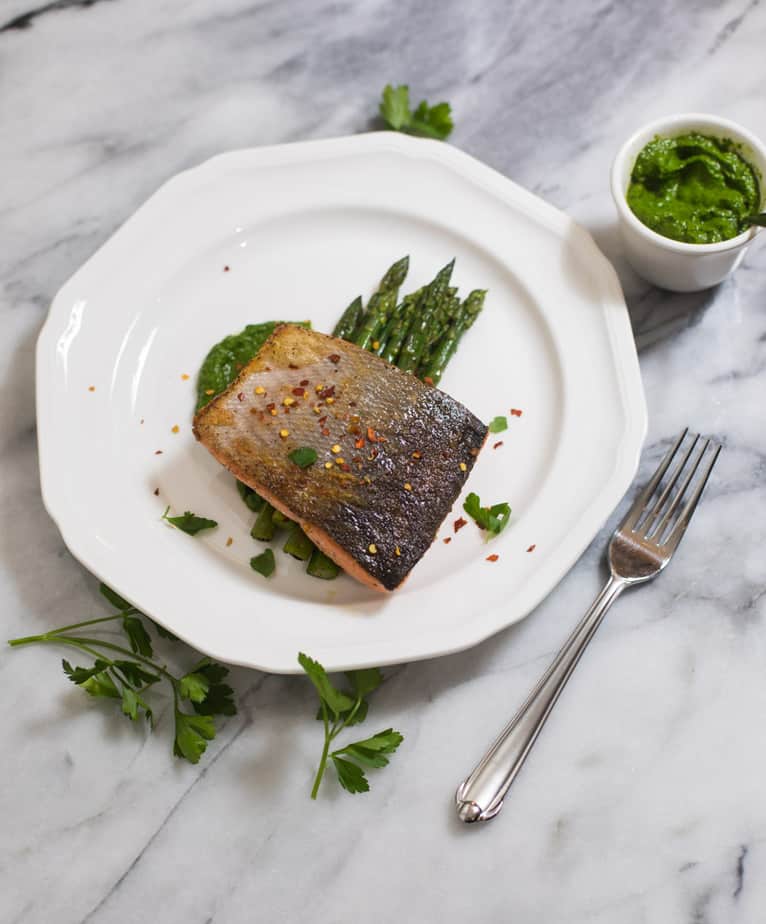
{"points": [[392, 453]]}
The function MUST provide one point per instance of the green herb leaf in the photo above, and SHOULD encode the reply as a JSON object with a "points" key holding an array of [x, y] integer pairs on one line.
{"points": [[494, 519], [364, 682], [192, 735], [372, 751], [140, 641], [132, 704], [429, 121], [94, 680], [135, 674], [193, 687], [498, 424], [350, 776], [163, 632], [189, 523], [303, 456], [218, 698], [335, 701], [115, 599], [432, 121], [264, 563]]}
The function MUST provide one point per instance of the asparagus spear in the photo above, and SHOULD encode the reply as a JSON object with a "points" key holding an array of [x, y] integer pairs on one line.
{"points": [[444, 350], [417, 339], [349, 319], [298, 544]]}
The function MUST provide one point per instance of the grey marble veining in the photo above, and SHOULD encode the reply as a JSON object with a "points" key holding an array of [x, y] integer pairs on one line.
{"points": [[643, 801]]}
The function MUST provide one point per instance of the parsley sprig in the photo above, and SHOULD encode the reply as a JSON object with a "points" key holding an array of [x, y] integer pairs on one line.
{"points": [[428, 121], [339, 709], [128, 677]]}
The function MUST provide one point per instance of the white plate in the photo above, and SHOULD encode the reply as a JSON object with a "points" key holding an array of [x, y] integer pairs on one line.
{"points": [[304, 228]]}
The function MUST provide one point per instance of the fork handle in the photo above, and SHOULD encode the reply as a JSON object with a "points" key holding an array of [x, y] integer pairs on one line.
{"points": [[480, 796]]}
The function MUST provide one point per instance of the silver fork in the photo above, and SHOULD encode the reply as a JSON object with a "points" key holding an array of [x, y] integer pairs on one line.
{"points": [[640, 548]]}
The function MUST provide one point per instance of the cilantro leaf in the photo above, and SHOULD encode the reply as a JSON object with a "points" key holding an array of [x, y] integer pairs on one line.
{"points": [[189, 523], [303, 456], [264, 563], [350, 776], [498, 424], [140, 641], [193, 687], [135, 674], [429, 121], [359, 715], [395, 106], [163, 632], [192, 735], [371, 751], [94, 680], [114, 598], [132, 704], [335, 701], [432, 121], [494, 519], [219, 699]]}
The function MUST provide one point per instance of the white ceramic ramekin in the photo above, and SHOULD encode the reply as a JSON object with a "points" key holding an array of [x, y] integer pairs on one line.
{"points": [[674, 264]]}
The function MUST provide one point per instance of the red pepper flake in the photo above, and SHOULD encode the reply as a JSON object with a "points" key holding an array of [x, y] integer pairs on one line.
{"points": [[492, 557], [304, 382], [326, 393], [322, 419], [270, 406], [447, 540], [287, 410], [292, 366], [515, 412], [498, 444], [428, 380], [299, 392], [325, 432], [241, 396], [345, 467], [474, 451], [359, 444], [334, 358], [352, 403], [460, 523], [156, 492], [372, 435], [229, 541], [532, 547], [373, 455], [357, 459], [226, 269], [158, 452]]}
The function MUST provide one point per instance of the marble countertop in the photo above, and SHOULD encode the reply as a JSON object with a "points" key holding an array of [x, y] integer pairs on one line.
{"points": [[643, 800]]}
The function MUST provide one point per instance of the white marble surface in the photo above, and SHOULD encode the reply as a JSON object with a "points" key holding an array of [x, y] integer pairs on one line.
{"points": [[643, 800]]}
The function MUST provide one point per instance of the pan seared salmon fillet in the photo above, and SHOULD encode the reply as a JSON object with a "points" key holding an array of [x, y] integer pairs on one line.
{"points": [[392, 453]]}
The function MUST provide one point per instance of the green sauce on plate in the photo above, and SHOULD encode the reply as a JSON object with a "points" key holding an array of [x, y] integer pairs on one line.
{"points": [[226, 359], [693, 188]]}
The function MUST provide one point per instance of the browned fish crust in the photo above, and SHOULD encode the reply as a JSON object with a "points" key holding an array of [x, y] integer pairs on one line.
{"points": [[393, 454]]}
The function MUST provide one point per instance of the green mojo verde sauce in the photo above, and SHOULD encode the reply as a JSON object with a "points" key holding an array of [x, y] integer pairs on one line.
{"points": [[693, 188], [227, 358]]}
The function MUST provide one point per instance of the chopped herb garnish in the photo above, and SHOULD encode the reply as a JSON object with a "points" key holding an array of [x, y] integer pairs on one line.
{"points": [[494, 519], [428, 121], [189, 523], [264, 563], [498, 424], [303, 456]]}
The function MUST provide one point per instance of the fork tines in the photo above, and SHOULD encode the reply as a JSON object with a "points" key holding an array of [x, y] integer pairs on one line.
{"points": [[655, 516]]}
